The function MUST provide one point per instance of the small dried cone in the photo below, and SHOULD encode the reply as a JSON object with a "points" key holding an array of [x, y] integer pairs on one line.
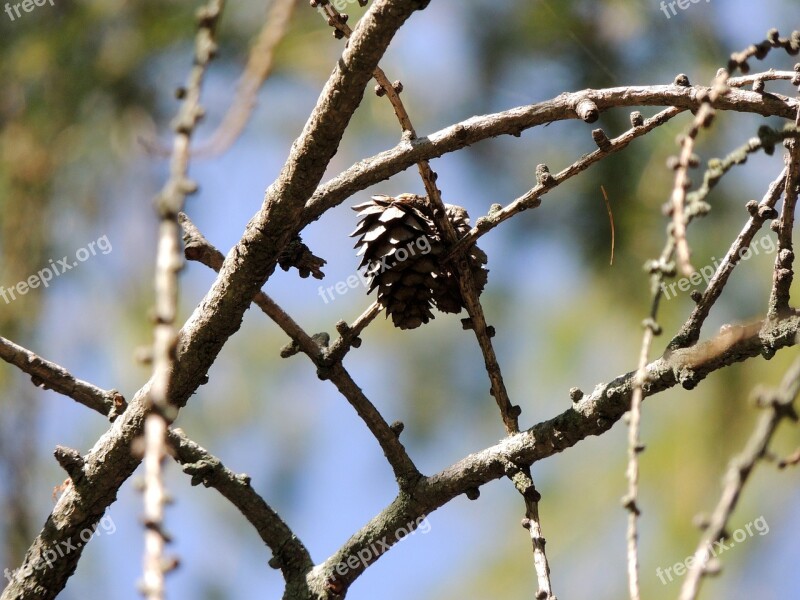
{"points": [[401, 246], [297, 255]]}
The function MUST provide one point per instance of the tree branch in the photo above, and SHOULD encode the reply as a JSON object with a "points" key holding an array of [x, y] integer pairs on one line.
{"points": [[203, 467], [219, 315], [382, 166], [198, 248], [780, 405], [256, 72], [783, 273], [547, 181], [50, 376], [509, 413], [289, 553], [169, 203], [593, 414], [759, 213]]}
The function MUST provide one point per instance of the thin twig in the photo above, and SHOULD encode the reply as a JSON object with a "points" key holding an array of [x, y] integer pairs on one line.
{"points": [[703, 119], [392, 92], [168, 264], [790, 461], [766, 141], [684, 161], [634, 448], [610, 222], [548, 181], [349, 334], [779, 405], [760, 212], [289, 553], [754, 79], [783, 273], [678, 245], [523, 481]]}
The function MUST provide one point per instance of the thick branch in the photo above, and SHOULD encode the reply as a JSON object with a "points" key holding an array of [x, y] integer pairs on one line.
{"points": [[219, 315], [516, 120], [204, 468], [593, 415]]}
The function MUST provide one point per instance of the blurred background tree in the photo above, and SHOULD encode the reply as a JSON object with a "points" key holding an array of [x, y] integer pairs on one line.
{"points": [[88, 92]]}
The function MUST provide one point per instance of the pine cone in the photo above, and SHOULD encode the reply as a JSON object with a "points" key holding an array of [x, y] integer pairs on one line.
{"points": [[401, 247]]}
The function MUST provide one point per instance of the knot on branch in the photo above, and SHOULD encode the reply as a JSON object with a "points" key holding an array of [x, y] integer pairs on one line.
{"points": [[39, 382], [72, 462], [483, 224], [682, 80], [576, 394], [543, 176], [397, 428], [587, 110], [688, 378], [653, 267], [601, 139], [335, 585], [629, 503], [785, 258], [119, 405], [201, 471], [322, 339], [290, 349], [473, 493], [650, 323]]}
